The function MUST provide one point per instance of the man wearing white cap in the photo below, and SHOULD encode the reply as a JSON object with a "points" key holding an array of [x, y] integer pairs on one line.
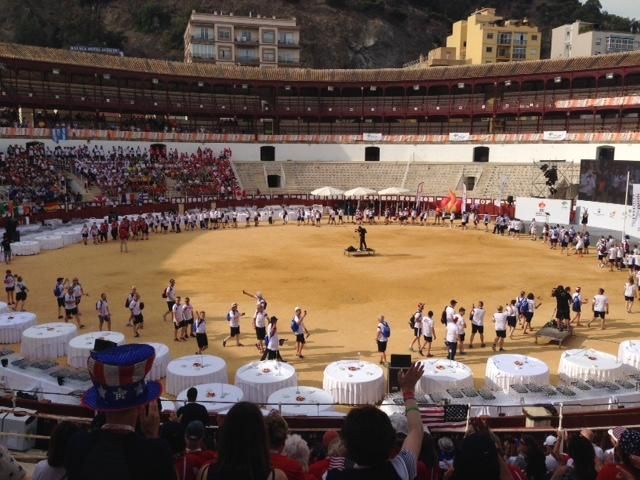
{"points": [[298, 327], [233, 317], [550, 460]]}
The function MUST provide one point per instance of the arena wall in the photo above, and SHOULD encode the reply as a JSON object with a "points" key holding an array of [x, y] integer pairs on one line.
{"points": [[446, 153]]}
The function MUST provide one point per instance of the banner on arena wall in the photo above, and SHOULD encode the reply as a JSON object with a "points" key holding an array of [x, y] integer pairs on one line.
{"points": [[554, 135], [459, 137], [543, 210], [606, 215], [635, 206], [371, 137]]}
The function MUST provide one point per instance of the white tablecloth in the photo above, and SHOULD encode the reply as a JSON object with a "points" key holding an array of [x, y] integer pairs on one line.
{"points": [[629, 354], [81, 346], [25, 247], [160, 364], [258, 380], [216, 397], [12, 324], [4, 308], [301, 401], [47, 341], [441, 374], [587, 364], [70, 237], [49, 242], [168, 405], [354, 382], [508, 369], [192, 370]]}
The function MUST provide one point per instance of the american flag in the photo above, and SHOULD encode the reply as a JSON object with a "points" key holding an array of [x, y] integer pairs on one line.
{"points": [[445, 418]]}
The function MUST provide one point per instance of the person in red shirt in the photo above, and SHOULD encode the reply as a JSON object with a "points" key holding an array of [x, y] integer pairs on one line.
{"points": [[195, 455], [333, 448], [277, 430]]}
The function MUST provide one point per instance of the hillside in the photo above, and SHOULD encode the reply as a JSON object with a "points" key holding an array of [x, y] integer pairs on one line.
{"points": [[335, 33]]}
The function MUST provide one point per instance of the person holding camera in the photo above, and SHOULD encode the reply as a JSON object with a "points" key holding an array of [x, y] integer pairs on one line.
{"points": [[301, 332]]}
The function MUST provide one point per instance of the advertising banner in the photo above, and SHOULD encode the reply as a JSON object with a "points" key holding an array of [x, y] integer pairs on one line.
{"points": [[459, 137], [543, 210], [371, 137], [606, 215], [554, 136]]}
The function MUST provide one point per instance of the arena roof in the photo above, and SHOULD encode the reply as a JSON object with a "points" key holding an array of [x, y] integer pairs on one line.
{"points": [[14, 53]]}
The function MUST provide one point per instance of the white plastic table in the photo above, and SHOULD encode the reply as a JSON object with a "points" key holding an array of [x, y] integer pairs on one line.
{"points": [[507, 369], [49, 242], [4, 308], [81, 346], [12, 324], [354, 382], [310, 401], [25, 247], [587, 364], [47, 341], [441, 374], [185, 372], [629, 354], [161, 362], [70, 237], [258, 380], [216, 397]]}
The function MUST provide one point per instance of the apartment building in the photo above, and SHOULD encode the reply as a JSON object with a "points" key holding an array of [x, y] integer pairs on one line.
{"points": [[253, 40], [485, 37], [583, 39]]}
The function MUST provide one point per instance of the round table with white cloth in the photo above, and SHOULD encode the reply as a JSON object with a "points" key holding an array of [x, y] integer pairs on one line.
{"points": [[69, 237], [258, 380], [629, 354], [47, 341], [12, 324], [4, 308], [81, 346], [309, 401], [168, 405], [49, 242], [216, 397], [441, 374], [185, 372], [161, 362], [587, 364], [25, 247], [508, 369], [29, 228], [354, 382]]}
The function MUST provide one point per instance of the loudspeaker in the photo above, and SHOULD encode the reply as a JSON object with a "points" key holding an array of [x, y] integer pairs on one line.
{"points": [[101, 344], [400, 361]]}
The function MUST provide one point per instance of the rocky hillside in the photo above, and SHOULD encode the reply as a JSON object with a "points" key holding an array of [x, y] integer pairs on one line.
{"points": [[335, 33]]}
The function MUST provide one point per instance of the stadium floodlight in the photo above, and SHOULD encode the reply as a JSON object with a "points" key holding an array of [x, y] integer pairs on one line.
{"points": [[55, 71], [330, 88], [201, 84], [416, 87], [106, 76], [155, 81], [373, 88], [557, 79], [609, 76], [507, 83], [460, 85]]}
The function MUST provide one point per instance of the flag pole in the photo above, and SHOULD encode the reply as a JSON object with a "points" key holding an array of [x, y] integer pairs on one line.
{"points": [[626, 202]]}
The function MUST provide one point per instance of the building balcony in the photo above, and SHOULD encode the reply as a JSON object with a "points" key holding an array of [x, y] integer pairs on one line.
{"points": [[207, 41], [288, 61], [242, 41], [247, 60], [285, 44]]}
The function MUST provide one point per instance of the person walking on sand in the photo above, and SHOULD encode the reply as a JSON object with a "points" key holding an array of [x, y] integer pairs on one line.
{"points": [[383, 332], [500, 320], [104, 315], [300, 330], [477, 323], [233, 317], [428, 333], [600, 308], [201, 332]]}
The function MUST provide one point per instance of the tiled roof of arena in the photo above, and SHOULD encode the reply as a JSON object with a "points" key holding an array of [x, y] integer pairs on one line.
{"points": [[145, 66]]}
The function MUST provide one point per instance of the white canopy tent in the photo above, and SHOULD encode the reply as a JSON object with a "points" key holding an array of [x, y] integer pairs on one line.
{"points": [[360, 192], [327, 192], [393, 191]]}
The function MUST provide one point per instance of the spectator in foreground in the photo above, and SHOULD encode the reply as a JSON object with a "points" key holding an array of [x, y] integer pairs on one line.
{"points": [[628, 450], [192, 410], [9, 468], [296, 449], [534, 459], [369, 439], [583, 468], [244, 448], [333, 447], [117, 450], [195, 454], [53, 466], [277, 430]]}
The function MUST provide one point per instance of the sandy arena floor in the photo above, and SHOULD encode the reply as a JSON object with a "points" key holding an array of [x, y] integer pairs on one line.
{"points": [[305, 266]]}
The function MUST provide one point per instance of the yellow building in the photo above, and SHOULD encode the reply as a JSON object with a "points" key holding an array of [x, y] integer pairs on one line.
{"points": [[487, 38]]}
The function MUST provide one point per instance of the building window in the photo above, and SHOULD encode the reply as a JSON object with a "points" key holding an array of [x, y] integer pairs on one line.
{"points": [[519, 53], [504, 38], [286, 38], [244, 36], [489, 49], [268, 55], [205, 33], [202, 51], [534, 38], [533, 52], [520, 38], [224, 53], [247, 55], [224, 33], [268, 36], [619, 44], [286, 57], [504, 52], [489, 36]]}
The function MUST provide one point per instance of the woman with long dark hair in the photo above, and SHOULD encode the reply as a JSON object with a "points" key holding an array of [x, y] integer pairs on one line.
{"points": [[534, 458], [581, 452], [243, 452]]}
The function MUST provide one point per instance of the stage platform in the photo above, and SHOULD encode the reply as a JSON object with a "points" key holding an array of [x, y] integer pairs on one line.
{"points": [[370, 252]]}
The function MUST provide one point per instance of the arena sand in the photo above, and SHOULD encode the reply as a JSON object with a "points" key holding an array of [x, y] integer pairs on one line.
{"points": [[306, 266]]}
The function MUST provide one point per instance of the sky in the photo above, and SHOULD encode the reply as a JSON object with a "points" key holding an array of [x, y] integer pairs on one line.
{"points": [[624, 8]]}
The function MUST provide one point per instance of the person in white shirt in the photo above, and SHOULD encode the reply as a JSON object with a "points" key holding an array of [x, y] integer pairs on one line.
{"points": [[450, 311], [461, 325], [178, 320], [233, 317], [428, 332], [126, 305], [417, 327], [629, 293], [600, 308], [451, 339], [260, 320], [300, 330], [576, 305], [382, 338], [511, 311], [104, 315], [71, 307], [477, 323], [187, 315], [136, 306], [500, 320], [201, 332], [170, 295], [273, 343], [550, 460]]}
